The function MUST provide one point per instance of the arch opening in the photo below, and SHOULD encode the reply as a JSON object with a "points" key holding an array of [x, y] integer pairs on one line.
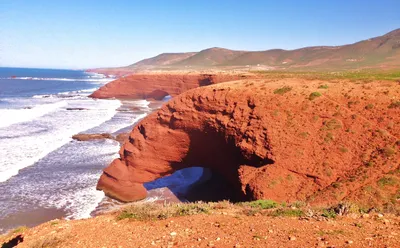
{"points": [[217, 178], [158, 95], [190, 185]]}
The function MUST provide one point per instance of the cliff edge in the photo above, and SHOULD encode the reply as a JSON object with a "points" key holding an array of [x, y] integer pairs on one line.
{"points": [[156, 86], [285, 140]]}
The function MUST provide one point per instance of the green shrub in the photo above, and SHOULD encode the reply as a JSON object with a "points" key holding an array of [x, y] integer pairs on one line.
{"points": [[263, 204], [329, 213], [332, 124], [314, 95], [288, 213], [369, 106], [324, 86], [282, 90]]}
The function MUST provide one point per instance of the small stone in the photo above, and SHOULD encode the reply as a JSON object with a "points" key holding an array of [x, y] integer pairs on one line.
{"points": [[292, 238], [153, 243], [321, 244], [199, 239], [218, 239], [365, 216], [271, 231], [380, 215], [349, 242], [173, 234], [386, 221]]}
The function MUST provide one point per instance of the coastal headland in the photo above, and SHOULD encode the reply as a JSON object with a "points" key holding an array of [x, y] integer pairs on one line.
{"points": [[310, 156]]}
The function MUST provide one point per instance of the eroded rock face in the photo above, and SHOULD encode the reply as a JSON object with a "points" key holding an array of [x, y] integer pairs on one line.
{"points": [[157, 86], [268, 143]]}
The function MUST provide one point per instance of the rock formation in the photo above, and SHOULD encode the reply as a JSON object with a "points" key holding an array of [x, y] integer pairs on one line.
{"points": [[96, 136], [158, 85], [284, 140]]}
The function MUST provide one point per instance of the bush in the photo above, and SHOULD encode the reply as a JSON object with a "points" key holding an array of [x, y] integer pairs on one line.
{"points": [[314, 95], [282, 90], [158, 212], [369, 106], [324, 86], [288, 213], [263, 204], [332, 124], [329, 213]]}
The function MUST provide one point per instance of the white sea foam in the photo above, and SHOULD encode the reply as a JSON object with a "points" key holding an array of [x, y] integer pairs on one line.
{"points": [[69, 94], [12, 116], [34, 143], [98, 80]]}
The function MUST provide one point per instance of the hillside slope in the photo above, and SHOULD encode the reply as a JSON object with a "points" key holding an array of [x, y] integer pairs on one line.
{"points": [[380, 52]]}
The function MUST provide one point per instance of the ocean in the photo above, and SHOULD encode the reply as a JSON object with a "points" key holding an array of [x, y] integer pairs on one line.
{"points": [[44, 174]]}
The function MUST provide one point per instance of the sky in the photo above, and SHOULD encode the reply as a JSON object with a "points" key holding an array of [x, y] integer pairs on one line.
{"points": [[103, 33]]}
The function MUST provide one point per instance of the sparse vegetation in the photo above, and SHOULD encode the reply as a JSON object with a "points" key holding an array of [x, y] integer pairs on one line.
{"points": [[53, 240], [369, 163], [155, 212], [369, 106], [332, 124], [361, 75], [263, 204], [387, 181], [329, 213], [282, 90], [304, 134], [324, 86], [331, 232], [287, 212], [394, 105], [388, 151], [314, 95], [19, 229], [343, 149]]}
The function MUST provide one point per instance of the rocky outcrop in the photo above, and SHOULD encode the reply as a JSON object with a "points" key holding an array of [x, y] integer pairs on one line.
{"points": [[284, 140], [87, 137], [158, 85]]}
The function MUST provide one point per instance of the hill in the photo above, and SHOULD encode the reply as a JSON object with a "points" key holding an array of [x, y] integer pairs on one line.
{"points": [[380, 52]]}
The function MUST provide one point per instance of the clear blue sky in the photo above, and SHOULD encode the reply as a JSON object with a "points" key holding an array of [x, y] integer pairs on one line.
{"points": [[103, 33]]}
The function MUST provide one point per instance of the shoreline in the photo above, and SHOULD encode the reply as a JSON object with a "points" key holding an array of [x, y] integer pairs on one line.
{"points": [[35, 215]]}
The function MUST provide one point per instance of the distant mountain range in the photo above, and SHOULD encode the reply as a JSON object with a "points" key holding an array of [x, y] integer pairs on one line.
{"points": [[379, 52]]}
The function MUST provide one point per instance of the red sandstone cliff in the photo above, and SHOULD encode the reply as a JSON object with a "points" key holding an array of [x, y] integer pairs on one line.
{"points": [[271, 140], [156, 86]]}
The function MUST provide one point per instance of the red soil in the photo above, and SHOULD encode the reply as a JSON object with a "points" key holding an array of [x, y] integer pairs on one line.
{"points": [[220, 229]]}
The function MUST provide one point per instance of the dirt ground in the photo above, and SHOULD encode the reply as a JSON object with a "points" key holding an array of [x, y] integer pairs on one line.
{"points": [[219, 228]]}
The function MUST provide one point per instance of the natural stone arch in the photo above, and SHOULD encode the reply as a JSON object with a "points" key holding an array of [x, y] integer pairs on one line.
{"points": [[266, 145]]}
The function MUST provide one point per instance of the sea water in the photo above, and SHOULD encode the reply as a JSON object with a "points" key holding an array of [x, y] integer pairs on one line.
{"points": [[44, 173], [41, 167]]}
